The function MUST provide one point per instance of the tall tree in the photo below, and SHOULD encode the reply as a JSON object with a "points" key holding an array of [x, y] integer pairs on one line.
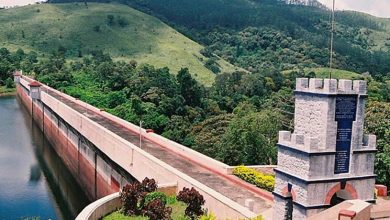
{"points": [[189, 88], [251, 139]]}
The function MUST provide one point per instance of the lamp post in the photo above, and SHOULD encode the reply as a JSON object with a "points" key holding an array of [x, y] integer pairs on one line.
{"points": [[140, 134]]}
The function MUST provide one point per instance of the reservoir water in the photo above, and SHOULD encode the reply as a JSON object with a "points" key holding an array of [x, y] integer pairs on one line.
{"points": [[34, 182]]}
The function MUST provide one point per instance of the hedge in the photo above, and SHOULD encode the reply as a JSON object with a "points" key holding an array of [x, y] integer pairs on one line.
{"points": [[254, 177]]}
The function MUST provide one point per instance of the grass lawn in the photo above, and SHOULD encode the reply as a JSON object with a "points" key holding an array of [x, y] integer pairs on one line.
{"points": [[177, 213]]}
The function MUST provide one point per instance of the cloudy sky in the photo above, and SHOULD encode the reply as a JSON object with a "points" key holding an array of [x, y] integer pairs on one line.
{"points": [[380, 8], [17, 2]]}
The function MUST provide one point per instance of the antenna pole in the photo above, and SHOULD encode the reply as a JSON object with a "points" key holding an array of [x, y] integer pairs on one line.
{"points": [[331, 43]]}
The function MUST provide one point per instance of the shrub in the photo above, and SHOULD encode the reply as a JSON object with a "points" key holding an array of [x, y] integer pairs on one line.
{"points": [[194, 201], [133, 196], [122, 21], [142, 199], [252, 176], [96, 28], [110, 20], [156, 195], [130, 197], [156, 210], [171, 200], [212, 65], [9, 83], [149, 185]]}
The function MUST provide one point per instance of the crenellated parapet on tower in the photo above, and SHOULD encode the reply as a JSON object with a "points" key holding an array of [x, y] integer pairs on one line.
{"points": [[327, 158]]}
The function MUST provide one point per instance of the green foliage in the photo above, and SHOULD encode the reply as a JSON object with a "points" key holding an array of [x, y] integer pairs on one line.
{"points": [[115, 99], [256, 34], [177, 213], [122, 21], [120, 216], [212, 65], [96, 28], [251, 138], [4, 90], [178, 129], [208, 134], [208, 216], [249, 175], [156, 195], [189, 88], [80, 31], [9, 83], [171, 200], [258, 218], [377, 122], [110, 20], [382, 168]]}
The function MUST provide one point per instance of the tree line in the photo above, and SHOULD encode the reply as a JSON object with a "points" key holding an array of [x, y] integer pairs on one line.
{"points": [[236, 120]]}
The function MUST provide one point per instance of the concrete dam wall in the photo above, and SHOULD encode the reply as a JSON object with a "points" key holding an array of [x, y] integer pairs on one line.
{"points": [[95, 172], [101, 151]]}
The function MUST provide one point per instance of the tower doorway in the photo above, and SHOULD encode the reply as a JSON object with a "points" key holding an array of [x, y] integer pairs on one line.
{"points": [[340, 196]]}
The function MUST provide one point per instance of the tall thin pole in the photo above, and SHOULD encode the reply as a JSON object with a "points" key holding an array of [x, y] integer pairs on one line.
{"points": [[331, 42], [140, 134]]}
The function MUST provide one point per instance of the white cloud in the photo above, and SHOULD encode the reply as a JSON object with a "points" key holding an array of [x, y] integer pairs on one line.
{"points": [[10, 3], [380, 8]]}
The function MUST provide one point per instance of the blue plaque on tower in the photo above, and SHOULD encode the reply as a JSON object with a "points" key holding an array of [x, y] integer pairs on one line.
{"points": [[345, 115]]}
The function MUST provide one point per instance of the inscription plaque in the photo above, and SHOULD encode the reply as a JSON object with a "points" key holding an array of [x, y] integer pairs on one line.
{"points": [[345, 115]]}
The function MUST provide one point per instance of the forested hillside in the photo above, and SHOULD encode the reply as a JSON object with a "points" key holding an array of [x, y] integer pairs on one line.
{"points": [[253, 34], [235, 118], [78, 30]]}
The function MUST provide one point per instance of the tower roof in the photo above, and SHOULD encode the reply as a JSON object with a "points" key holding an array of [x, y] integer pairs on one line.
{"points": [[35, 84]]}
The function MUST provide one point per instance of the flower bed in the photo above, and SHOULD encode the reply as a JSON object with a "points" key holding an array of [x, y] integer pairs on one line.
{"points": [[254, 177], [141, 200], [177, 213]]}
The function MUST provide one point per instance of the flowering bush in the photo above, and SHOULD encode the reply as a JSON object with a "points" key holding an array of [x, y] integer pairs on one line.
{"points": [[252, 176]]}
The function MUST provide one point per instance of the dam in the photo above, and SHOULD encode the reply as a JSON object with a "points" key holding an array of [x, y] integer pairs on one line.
{"points": [[40, 184], [104, 153]]}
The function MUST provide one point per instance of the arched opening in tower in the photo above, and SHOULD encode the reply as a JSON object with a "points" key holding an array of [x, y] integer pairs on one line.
{"points": [[340, 196]]}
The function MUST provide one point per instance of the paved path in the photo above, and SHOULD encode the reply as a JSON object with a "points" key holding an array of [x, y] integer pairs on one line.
{"points": [[218, 182]]}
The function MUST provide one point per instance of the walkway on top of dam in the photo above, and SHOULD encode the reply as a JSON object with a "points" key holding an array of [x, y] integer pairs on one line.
{"points": [[218, 182]]}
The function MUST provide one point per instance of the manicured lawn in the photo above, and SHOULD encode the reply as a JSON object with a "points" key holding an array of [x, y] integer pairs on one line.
{"points": [[177, 214]]}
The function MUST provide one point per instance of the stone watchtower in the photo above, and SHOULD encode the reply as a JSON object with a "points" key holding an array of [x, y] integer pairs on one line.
{"points": [[327, 158]]}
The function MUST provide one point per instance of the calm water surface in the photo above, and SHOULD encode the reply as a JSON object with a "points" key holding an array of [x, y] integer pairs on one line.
{"points": [[33, 180]]}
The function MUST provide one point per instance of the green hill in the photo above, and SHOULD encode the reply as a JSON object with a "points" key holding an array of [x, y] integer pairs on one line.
{"points": [[323, 72], [125, 33], [254, 34]]}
